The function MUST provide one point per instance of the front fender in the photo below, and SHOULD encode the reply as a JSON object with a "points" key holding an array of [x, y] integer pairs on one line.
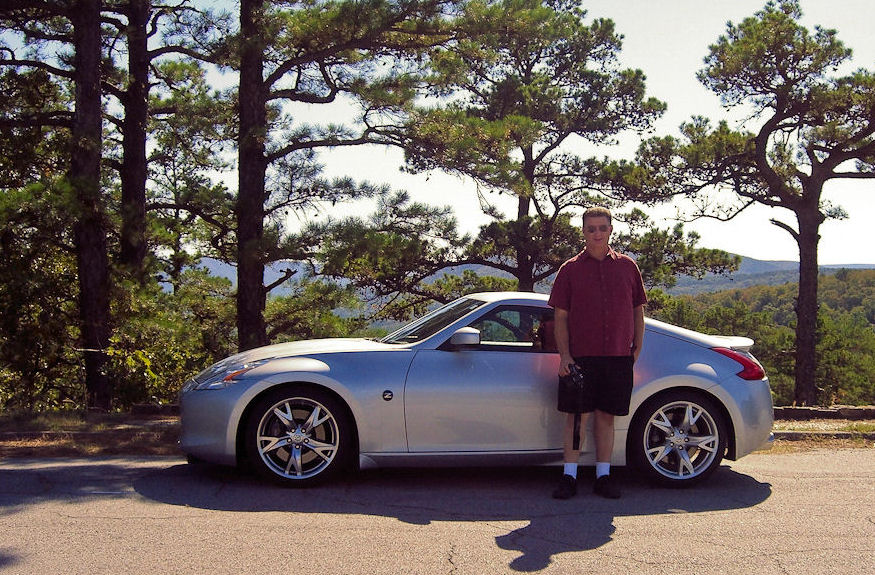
{"points": [[371, 386], [238, 415]]}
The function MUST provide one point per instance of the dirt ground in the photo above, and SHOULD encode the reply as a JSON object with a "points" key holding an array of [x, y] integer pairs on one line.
{"points": [[157, 435], [107, 435]]}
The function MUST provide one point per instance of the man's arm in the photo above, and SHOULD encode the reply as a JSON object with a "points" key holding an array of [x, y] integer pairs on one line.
{"points": [[638, 341], [560, 331]]}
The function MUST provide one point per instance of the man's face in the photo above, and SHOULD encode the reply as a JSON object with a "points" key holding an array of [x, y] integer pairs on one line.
{"points": [[597, 231]]}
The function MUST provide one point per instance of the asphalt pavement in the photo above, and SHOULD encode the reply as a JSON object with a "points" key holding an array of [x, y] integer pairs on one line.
{"points": [[810, 512]]}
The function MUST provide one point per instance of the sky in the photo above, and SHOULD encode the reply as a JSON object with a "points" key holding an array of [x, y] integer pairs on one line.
{"points": [[667, 40]]}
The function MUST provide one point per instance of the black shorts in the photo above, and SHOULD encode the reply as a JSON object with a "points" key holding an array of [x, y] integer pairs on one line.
{"points": [[608, 386]]}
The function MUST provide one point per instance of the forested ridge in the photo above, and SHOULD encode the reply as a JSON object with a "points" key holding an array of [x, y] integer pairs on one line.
{"points": [[765, 313]]}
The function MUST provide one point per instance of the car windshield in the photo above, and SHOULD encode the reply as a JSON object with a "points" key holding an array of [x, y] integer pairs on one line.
{"points": [[433, 322]]}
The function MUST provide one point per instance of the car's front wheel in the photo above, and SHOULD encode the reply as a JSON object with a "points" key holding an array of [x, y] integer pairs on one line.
{"points": [[299, 436], [678, 438]]}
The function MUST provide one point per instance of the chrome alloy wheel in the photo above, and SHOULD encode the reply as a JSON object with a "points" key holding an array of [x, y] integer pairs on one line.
{"points": [[682, 440], [298, 438]]}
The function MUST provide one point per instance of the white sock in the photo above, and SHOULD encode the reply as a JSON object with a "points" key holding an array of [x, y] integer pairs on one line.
{"points": [[602, 468], [571, 469]]}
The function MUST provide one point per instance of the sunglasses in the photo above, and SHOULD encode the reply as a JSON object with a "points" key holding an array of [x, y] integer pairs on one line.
{"points": [[593, 229]]}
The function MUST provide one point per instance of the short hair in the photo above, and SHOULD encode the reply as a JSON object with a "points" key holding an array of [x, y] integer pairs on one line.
{"points": [[597, 212]]}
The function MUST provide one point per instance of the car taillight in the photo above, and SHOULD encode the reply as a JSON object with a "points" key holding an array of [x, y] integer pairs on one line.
{"points": [[751, 370]]}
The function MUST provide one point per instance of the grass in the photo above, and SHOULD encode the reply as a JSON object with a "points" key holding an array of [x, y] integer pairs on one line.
{"points": [[782, 446], [844, 425], [862, 427]]}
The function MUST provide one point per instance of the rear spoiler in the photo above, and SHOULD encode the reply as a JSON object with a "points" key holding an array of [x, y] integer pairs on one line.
{"points": [[736, 342]]}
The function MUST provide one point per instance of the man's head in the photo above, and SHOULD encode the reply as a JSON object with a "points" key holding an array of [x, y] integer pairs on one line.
{"points": [[596, 212], [597, 227]]}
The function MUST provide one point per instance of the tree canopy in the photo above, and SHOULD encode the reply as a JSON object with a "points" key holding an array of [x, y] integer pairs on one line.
{"points": [[814, 126], [520, 87], [122, 167]]}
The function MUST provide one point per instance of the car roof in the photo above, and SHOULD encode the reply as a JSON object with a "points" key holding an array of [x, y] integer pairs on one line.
{"points": [[540, 299], [510, 297]]}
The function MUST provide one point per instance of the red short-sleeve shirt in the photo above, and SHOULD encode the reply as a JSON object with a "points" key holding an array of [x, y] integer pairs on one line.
{"points": [[600, 298]]}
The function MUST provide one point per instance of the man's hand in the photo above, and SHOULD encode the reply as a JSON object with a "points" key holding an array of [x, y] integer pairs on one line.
{"points": [[565, 363]]}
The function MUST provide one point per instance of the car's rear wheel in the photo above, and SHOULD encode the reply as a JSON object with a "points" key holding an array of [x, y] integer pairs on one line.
{"points": [[299, 436], [678, 438]]}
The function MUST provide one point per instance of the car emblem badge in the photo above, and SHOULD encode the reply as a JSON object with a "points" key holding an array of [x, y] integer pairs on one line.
{"points": [[298, 437], [388, 395]]}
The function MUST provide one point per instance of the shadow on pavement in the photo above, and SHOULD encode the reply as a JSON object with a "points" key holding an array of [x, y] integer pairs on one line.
{"points": [[8, 560], [417, 497], [477, 495]]}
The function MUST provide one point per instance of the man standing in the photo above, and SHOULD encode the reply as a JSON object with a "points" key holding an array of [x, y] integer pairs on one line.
{"points": [[599, 298]]}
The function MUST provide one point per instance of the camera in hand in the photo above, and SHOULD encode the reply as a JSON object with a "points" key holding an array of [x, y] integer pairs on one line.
{"points": [[576, 375]]}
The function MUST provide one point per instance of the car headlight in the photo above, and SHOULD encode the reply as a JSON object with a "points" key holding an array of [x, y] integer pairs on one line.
{"points": [[221, 375]]}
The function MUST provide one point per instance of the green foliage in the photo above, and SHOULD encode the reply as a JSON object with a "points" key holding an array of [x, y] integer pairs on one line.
{"points": [[770, 56], [521, 78], [390, 252], [29, 152], [312, 311], [189, 215], [162, 338], [165, 337], [40, 363], [663, 255], [852, 291], [846, 359], [547, 241], [846, 331], [517, 79]]}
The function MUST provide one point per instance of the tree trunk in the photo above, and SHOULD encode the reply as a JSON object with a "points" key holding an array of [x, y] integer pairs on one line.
{"points": [[133, 250], [806, 308], [525, 267], [89, 229], [252, 166], [524, 260]]}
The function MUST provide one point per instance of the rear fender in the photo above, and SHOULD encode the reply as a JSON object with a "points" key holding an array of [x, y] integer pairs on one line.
{"points": [[692, 384]]}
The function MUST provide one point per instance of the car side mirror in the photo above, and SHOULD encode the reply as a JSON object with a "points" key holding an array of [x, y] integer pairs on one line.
{"points": [[465, 337]]}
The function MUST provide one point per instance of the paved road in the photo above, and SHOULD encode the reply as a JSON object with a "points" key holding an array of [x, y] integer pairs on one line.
{"points": [[800, 513]]}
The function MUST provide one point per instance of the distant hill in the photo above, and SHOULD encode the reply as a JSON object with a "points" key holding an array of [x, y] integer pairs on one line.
{"points": [[751, 272]]}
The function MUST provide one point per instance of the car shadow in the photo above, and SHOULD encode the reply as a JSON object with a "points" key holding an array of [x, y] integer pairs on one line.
{"points": [[8, 560], [477, 495]]}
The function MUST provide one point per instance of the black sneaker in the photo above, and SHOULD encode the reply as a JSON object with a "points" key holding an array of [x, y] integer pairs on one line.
{"points": [[606, 487], [567, 488]]}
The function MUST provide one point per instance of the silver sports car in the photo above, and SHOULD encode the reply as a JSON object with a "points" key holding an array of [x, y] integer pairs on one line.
{"points": [[472, 383]]}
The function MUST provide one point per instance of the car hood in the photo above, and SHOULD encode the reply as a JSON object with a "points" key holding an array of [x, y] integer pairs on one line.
{"points": [[310, 347]]}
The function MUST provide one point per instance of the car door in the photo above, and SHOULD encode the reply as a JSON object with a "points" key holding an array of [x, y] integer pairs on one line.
{"points": [[497, 396]]}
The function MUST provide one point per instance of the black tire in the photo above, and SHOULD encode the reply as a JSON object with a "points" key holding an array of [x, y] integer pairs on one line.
{"points": [[299, 436], [193, 460], [677, 438]]}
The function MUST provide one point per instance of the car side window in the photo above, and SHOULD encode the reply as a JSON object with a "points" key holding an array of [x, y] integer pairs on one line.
{"points": [[517, 328]]}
